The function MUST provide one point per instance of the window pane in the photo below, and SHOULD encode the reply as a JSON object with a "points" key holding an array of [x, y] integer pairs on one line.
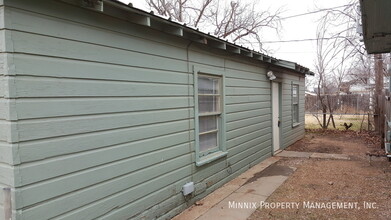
{"points": [[208, 85], [208, 123], [294, 91], [208, 104], [295, 100], [295, 113], [208, 141], [295, 94]]}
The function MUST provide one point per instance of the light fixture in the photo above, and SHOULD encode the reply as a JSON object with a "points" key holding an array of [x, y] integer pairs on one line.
{"points": [[271, 75], [93, 4]]}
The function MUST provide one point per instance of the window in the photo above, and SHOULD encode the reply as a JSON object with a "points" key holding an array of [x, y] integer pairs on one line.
{"points": [[210, 118], [295, 104], [209, 111]]}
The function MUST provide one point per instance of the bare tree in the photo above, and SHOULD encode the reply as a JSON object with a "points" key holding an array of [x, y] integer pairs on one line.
{"points": [[326, 52], [338, 46], [236, 21], [361, 71]]}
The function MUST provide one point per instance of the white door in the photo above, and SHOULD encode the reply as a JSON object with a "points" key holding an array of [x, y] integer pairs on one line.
{"points": [[276, 116]]}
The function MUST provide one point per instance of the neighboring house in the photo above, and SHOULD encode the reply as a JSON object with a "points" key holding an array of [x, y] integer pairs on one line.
{"points": [[361, 89], [376, 26], [108, 114]]}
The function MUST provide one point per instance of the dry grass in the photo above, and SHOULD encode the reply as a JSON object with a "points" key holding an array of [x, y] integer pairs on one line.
{"points": [[356, 120]]}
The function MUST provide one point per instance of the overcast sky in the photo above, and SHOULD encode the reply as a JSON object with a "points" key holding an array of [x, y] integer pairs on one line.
{"points": [[297, 28]]}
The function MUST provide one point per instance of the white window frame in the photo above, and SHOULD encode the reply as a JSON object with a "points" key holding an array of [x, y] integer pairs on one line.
{"points": [[204, 157], [295, 104]]}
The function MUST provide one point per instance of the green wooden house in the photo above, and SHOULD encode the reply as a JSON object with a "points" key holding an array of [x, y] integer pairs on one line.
{"points": [[109, 111]]}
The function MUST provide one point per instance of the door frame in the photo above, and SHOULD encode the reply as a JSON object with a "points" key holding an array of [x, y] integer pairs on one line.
{"points": [[279, 129]]}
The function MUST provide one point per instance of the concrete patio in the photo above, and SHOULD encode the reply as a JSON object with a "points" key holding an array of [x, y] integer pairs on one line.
{"points": [[239, 198]]}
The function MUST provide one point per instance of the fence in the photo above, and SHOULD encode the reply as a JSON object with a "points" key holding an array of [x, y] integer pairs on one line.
{"points": [[352, 104], [353, 108]]}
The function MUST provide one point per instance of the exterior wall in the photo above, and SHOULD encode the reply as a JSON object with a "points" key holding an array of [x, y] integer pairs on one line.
{"points": [[292, 134], [248, 119], [104, 112], [105, 118]]}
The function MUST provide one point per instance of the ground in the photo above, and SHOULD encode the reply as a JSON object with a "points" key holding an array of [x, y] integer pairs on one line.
{"points": [[361, 179]]}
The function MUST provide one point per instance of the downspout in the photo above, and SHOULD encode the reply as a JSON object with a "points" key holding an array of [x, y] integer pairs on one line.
{"points": [[190, 75]]}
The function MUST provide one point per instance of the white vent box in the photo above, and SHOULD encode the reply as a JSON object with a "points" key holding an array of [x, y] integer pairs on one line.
{"points": [[188, 188]]}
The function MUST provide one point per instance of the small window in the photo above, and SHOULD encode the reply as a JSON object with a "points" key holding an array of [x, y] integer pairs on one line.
{"points": [[295, 104], [210, 133], [209, 112]]}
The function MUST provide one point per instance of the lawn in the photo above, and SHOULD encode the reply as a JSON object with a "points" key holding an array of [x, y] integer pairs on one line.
{"points": [[356, 120]]}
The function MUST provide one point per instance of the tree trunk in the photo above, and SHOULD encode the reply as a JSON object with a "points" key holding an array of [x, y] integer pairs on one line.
{"points": [[332, 120], [324, 118], [328, 121]]}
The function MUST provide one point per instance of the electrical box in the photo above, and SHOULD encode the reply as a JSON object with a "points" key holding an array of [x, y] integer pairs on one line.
{"points": [[388, 146], [188, 188]]}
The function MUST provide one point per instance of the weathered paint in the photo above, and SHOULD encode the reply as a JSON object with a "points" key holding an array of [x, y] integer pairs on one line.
{"points": [[103, 120]]}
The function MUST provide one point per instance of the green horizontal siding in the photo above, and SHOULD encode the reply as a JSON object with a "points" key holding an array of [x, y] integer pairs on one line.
{"points": [[4, 106], [61, 107], [240, 107], [46, 46], [103, 115], [31, 65], [47, 148], [104, 204], [247, 137], [55, 87], [33, 23], [120, 175], [292, 134], [56, 127], [99, 117], [240, 82], [247, 99], [5, 153]]}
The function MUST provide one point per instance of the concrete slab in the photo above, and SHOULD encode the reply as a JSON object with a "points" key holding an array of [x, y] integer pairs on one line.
{"points": [[313, 155], [264, 186], [236, 206], [294, 154], [330, 156], [245, 200], [207, 203], [194, 212]]}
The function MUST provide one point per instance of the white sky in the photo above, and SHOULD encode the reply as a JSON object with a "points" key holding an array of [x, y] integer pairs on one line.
{"points": [[303, 27]]}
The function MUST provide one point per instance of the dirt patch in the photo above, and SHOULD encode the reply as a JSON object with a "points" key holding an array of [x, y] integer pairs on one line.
{"points": [[316, 143], [361, 181], [356, 144], [272, 170]]}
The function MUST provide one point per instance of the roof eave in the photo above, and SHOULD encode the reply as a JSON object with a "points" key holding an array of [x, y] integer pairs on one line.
{"points": [[140, 17]]}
